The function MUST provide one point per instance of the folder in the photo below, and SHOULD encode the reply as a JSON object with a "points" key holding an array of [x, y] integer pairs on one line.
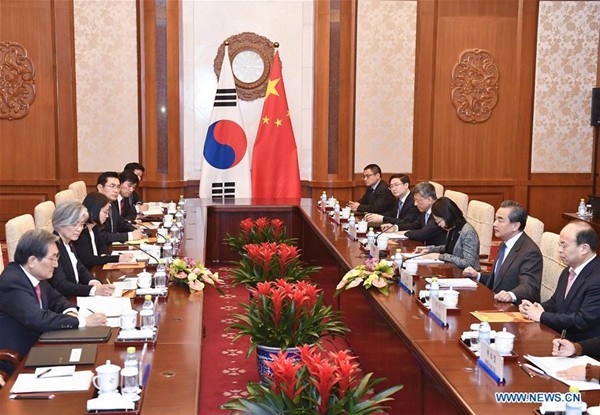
{"points": [[81, 335], [84, 354]]}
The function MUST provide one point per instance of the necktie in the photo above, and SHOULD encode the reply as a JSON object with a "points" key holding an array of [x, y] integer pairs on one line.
{"points": [[570, 281], [122, 206], [38, 291], [399, 209], [426, 218], [499, 261]]}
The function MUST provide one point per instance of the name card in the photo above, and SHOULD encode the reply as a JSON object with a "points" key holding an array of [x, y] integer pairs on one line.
{"points": [[336, 217], [439, 311], [352, 232], [407, 282], [491, 361]]}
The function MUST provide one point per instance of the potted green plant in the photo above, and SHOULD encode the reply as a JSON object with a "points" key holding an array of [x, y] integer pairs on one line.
{"points": [[269, 261], [314, 384], [282, 315]]}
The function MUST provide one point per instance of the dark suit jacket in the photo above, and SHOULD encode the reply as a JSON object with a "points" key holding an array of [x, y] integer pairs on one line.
{"points": [[521, 271], [64, 280], [379, 201], [129, 212], [408, 214], [85, 252], [429, 233], [579, 312], [591, 347], [21, 318], [116, 226]]}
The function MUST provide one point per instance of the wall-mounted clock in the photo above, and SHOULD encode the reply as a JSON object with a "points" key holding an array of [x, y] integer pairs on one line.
{"points": [[251, 56]]}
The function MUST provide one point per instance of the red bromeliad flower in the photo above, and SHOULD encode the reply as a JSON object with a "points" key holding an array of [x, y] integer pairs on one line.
{"points": [[345, 370], [285, 375], [247, 225], [261, 223], [277, 296], [277, 227], [324, 380]]}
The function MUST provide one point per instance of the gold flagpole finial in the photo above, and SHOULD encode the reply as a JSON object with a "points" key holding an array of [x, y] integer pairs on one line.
{"points": [[276, 45]]}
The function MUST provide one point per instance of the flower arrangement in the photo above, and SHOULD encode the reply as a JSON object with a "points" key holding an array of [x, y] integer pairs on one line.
{"points": [[286, 314], [192, 273], [269, 261], [257, 231], [317, 384], [373, 273]]}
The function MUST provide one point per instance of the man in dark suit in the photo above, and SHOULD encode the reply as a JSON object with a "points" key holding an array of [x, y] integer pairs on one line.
{"points": [[377, 198], [517, 272], [118, 229], [404, 210], [129, 182], [575, 305], [29, 306], [423, 228]]}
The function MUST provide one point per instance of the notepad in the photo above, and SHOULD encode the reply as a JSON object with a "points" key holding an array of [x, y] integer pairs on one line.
{"points": [[551, 365], [110, 306], [81, 335], [455, 283], [84, 354], [29, 382]]}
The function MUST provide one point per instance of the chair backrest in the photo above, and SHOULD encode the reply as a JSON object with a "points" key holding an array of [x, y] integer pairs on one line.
{"points": [[552, 264], [14, 229], [534, 228], [79, 189], [64, 196], [42, 215], [461, 199], [439, 189], [1, 261], [481, 216]]}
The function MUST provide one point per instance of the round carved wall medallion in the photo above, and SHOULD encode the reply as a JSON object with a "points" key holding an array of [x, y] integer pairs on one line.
{"points": [[251, 56], [17, 81], [475, 86]]}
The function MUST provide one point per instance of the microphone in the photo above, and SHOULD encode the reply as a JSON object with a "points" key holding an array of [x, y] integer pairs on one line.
{"points": [[149, 254], [150, 229]]}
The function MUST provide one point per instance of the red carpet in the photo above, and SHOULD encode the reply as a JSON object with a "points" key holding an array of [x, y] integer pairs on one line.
{"points": [[225, 370]]}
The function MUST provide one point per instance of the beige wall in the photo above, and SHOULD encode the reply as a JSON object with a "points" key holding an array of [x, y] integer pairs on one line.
{"points": [[106, 84], [567, 59]]}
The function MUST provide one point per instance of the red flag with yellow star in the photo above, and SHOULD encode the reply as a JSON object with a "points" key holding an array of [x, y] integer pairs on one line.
{"points": [[275, 171]]}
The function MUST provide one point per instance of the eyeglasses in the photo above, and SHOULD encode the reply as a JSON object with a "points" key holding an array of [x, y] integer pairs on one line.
{"points": [[53, 258], [113, 186], [366, 176], [438, 220], [564, 245], [394, 185]]}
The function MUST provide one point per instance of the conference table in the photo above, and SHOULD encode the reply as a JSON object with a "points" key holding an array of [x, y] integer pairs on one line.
{"points": [[393, 336]]}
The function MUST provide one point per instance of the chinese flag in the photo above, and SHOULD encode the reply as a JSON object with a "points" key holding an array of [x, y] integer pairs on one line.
{"points": [[275, 157]]}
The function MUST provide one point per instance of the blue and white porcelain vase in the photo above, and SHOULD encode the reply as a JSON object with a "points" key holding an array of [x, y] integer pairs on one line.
{"points": [[263, 355]]}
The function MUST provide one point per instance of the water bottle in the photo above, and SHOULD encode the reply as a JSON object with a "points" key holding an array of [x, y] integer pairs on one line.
{"points": [[147, 313], [336, 207], [131, 358], [351, 221], [179, 215], [167, 250], [484, 331], [370, 236], [575, 406], [181, 202], [581, 210], [324, 199], [398, 260], [434, 288]]}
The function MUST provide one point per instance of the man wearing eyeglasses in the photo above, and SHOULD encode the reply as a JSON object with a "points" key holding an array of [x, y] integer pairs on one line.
{"points": [[29, 305], [404, 210], [117, 228], [575, 305], [377, 198]]}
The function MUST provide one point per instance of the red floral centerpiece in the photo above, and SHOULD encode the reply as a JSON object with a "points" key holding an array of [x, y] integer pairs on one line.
{"points": [[192, 273], [269, 261], [257, 231], [316, 384]]}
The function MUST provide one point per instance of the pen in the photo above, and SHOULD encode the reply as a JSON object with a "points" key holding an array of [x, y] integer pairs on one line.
{"points": [[537, 370], [563, 333], [33, 396], [91, 311], [43, 373], [108, 281], [529, 372]]}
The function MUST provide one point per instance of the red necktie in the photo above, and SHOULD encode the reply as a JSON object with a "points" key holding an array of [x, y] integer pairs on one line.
{"points": [[38, 291], [122, 206], [570, 282]]}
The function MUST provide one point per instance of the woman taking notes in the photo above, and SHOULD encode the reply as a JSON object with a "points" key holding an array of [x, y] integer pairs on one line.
{"points": [[462, 242]]}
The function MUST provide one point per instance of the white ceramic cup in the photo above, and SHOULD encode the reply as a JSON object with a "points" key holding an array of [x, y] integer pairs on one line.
{"points": [[451, 298], [382, 241], [128, 319], [346, 213], [411, 267], [504, 342], [361, 226], [144, 279], [106, 379]]}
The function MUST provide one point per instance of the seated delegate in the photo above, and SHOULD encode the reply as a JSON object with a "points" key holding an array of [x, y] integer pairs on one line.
{"points": [[29, 305], [462, 242], [93, 243], [377, 197], [72, 278], [404, 210]]}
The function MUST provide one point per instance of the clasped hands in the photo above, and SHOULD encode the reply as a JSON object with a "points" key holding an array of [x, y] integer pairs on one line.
{"points": [[532, 311]]}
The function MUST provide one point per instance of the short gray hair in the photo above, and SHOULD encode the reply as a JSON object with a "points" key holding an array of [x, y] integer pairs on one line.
{"points": [[69, 213], [425, 189], [34, 242]]}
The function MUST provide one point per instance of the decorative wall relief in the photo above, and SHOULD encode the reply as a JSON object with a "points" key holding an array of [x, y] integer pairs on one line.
{"points": [[17, 81], [475, 86]]}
